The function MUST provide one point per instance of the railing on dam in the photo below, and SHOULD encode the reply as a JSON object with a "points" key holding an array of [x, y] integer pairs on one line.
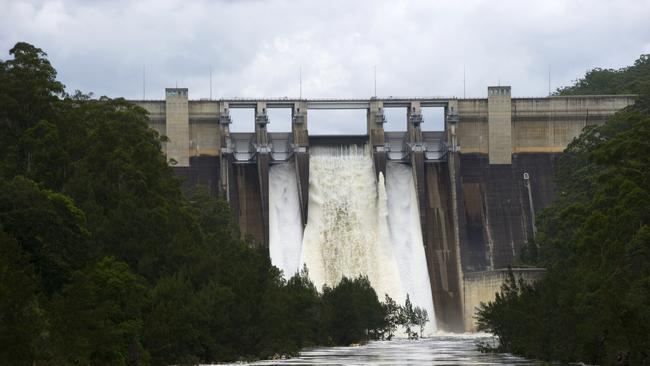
{"points": [[333, 103]]}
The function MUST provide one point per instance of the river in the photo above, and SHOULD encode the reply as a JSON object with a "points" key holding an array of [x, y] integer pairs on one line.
{"points": [[437, 350]]}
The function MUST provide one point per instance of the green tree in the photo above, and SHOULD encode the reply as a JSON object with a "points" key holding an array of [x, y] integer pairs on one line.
{"points": [[48, 226], [592, 304], [391, 316], [96, 318], [421, 319], [352, 311], [28, 95], [22, 320], [408, 319], [105, 261]]}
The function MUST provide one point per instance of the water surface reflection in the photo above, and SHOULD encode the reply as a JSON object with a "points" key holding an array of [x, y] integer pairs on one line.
{"points": [[438, 350]]}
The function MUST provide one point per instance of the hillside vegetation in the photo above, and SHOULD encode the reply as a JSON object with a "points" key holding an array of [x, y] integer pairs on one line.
{"points": [[593, 305], [103, 261]]}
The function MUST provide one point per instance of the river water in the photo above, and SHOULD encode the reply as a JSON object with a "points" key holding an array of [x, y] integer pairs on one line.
{"points": [[437, 350]]}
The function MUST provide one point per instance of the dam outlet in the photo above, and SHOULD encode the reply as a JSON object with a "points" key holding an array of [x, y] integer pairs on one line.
{"points": [[359, 224]]}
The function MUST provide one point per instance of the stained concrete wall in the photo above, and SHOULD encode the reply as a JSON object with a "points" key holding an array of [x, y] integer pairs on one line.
{"points": [[494, 209], [537, 124], [156, 111], [472, 128], [246, 203], [177, 126], [204, 131], [549, 124], [499, 125], [482, 287], [441, 247]]}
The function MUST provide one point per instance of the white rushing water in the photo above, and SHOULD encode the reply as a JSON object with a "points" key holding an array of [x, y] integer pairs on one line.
{"points": [[357, 225], [406, 237], [285, 224], [346, 232]]}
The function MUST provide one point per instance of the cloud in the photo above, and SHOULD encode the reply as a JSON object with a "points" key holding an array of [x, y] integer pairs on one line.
{"points": [[257, 48]]}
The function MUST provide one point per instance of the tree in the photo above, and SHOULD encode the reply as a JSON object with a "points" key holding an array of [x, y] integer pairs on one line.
{"points": [[352, 311], [28, 95], [96, 318], [103, 260], [391, 316], [22, 320], [408, 318], [48, 226], [421, 319], [594, 239]]}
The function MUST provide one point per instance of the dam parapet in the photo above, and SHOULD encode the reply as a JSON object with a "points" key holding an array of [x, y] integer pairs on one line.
{"points": [[479, 181]]}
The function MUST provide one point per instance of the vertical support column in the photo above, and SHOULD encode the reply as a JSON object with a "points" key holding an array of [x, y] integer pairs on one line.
{"points": [[300, 136], [178, 127], [376, 120], [451, 122], [499, 125], [454, 295], [226, 157], [414, 136], [263, 161]]}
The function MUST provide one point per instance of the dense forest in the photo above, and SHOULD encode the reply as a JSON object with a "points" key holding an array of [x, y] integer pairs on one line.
{"points": [[593, 304], [104, 261]]}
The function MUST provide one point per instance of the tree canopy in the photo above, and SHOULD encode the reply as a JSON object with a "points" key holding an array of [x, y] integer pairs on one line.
{"points": [[593, 304], [103, 260]]}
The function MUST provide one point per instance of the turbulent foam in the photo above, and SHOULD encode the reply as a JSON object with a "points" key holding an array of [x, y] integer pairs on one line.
{"points": [[406, 238], [285, 226], [357, 225], [346, 232]]}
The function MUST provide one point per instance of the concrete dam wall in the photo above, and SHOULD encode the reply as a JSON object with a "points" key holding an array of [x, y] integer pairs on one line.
{"points": [[478, 183]]}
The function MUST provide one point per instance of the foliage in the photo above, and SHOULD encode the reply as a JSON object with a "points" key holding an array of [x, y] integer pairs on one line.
{"points": [[48, 227], [21, 315], [593, 305], [633, 79], [391, 317], [96, 317], [352, 312], [421, 318], [412, 318], [407, 318], [104, 261]]}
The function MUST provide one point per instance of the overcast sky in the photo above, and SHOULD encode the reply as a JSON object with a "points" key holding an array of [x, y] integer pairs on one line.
{"points": [[257, 48]]}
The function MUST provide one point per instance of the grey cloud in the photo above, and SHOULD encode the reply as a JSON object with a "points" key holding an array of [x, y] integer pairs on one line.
{"points": [[256, 48]]}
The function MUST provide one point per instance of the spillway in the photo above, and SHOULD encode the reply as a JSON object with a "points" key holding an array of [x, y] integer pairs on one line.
{"points": [[346, 232], [285, 226], [406, 236], [357, 225]]}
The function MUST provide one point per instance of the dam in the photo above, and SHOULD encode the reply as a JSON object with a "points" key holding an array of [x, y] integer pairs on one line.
{"points": [[444, 212]]}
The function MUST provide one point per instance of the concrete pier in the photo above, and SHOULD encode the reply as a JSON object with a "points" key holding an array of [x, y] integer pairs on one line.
{"points": [[473, 200], [263, 151], [300, 147], [499, 125], [376, 138], [177, 127]]}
